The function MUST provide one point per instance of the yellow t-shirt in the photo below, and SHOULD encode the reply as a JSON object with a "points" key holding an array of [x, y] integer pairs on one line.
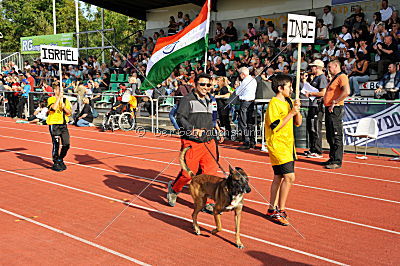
{"points": [[280, 143], [56, 117]]}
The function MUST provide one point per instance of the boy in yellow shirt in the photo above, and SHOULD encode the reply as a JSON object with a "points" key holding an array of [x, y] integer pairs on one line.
{"points": [[279, 119], [57, 119]]}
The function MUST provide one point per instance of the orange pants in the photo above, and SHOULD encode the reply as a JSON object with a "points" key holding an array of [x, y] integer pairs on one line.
{"points": [[197, 158]]}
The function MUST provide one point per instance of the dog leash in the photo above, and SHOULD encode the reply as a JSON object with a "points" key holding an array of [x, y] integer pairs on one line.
{"points": [[134, 198]]}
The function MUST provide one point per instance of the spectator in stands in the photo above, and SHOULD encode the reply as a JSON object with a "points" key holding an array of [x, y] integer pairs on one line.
{"points": [[231, 32], [386, 10], [376, 18], [349, 62], [173, 26], [359, 73], [187, 20], [389, 85], [40, 114], [219, 32], [280, 63], [162, 33], [388, 54], [225, 59], [303, 64], [349, 22], [251, 31], [322, 34], [85, 117], [380, 33], [362, 46], [180, 21], [150, 45], [343, 37], [337, 90], [328, 17], [219, 68], [246, 92], [262, 29], [395, 32], [156, 35], [359, 23], [225, 47], [394, 19], [272, 34]]}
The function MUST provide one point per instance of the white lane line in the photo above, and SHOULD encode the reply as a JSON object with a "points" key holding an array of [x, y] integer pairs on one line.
{"points": [[116, 253], [176, 216], [254, 201], [259, 178], [176, 141]]}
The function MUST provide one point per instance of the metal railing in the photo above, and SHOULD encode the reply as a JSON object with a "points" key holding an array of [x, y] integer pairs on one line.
{"points": [[15, 57]]}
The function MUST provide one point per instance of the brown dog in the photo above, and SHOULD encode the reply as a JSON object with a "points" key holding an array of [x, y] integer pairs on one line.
{"points": [[226, 192]]}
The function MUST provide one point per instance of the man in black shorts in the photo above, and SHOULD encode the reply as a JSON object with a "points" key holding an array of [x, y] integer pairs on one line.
{"points": [[59, 112]]}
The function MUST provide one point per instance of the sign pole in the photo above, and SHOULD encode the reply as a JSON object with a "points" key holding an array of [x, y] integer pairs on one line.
{"points": [[60, 70], [298, 71]]}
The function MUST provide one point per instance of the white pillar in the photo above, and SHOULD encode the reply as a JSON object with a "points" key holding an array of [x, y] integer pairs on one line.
{"points": [[102, 36], [54, 17], [77, 22]]}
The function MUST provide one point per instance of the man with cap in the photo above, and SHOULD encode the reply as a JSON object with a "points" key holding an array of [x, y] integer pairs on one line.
{"points": [[316, 109], [24, 97]]}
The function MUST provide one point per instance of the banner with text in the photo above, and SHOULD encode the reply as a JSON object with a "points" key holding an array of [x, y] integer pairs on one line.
{"points": [[387, 117], [59, 54], [301, 29], [31, 45]]}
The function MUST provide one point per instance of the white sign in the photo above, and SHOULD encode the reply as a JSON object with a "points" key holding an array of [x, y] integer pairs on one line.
{"points": [[59, 54], [301, 29]]}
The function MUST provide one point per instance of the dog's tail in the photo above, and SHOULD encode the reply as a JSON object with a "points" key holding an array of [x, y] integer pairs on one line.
{"points": [[183, 161]]}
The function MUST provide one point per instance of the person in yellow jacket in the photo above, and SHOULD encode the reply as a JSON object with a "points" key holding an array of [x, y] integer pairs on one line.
{"points": [[280, 116], [57, 119]]}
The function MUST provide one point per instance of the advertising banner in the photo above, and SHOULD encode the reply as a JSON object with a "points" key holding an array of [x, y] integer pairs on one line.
{"points": [[31, 45], [387, 117]]}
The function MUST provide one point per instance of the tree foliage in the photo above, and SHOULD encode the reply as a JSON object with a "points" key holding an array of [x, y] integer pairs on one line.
{"points": [[21, 18]]}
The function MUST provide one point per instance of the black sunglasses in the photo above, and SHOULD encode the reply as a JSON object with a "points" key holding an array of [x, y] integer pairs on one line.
{"points": [[205, 84]]}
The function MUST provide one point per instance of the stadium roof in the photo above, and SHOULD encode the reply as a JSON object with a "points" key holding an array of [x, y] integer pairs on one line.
{"points": [[138, 8]]}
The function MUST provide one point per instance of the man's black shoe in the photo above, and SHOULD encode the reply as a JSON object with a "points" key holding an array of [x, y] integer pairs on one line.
{"points": [[327, 162], [333, 166], [56, 167], [62, 165]]}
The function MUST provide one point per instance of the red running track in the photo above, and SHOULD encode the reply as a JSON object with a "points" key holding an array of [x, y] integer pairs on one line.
{"points": [[347, 216]]}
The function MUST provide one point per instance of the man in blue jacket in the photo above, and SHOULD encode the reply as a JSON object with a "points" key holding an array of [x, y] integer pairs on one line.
{"points": [[388, 86]]}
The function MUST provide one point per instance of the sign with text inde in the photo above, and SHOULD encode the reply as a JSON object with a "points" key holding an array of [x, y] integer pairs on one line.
{"points": [[301, 29], [59, 54]]}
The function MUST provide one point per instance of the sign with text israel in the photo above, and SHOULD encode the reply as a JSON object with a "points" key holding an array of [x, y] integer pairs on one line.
{"points": [[59, 54], [387, 117], [31, 45], [301, 29]]}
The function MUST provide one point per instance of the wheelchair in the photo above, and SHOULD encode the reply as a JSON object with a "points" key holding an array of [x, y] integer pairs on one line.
{"points": [[121, 116]]}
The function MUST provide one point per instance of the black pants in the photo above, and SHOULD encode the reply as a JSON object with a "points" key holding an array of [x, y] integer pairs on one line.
{"points": [[12, 104], [246, 122], [21, 106], [314, 128], [381, 67], [31, 104], [223, 114], [59, 133], [334, 133]]}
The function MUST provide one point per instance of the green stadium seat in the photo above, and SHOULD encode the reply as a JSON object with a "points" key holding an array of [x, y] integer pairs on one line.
{"points": [[113, 78], [114, 87], [212, 46], [318, 47], [122, 78], [238, 53], [106, 98], [169, 101]]}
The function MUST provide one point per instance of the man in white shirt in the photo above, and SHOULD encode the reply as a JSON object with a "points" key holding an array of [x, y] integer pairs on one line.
{"points": [[272, 33], [225, 47], [386, 10], [328, 17], [247, 94]]}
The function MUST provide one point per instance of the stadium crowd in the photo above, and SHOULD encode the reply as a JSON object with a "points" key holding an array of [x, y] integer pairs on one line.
{"points": [[362, 48]]}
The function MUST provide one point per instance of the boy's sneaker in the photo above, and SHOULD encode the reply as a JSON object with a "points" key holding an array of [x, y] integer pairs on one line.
{"points": [[306, 153], [314, 155], [171, 195], [278, 217], [56, 167], [208, 208]]}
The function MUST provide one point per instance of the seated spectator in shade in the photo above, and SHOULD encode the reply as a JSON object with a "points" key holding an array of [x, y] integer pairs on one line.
{"points": [[359, 73], [173, 26], [380, 33], [322, 34], [85, 117], [225, 59], [386, 10], [225, 47], [219, 68], [394, 19], [349, 22], [328, 17], [280, 63], [388, 54], [187, 20], [219, 32], [389, 85], [303, 64], [395, 32], [376, 18], [231, 32], [262, 29], [359, 23], [349, 62], [251, 31], [363, 47], [272, 34]]}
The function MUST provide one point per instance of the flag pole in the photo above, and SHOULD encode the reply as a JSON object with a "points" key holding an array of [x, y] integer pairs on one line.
{"points": [[207, 34]]}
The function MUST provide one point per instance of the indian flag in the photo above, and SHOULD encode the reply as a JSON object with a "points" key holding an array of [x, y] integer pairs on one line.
{"points": [[189, 43]]}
